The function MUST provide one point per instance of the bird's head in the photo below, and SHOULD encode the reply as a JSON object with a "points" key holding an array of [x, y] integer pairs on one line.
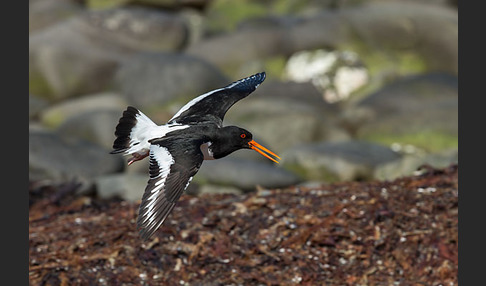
{"points": [[239, 138]]}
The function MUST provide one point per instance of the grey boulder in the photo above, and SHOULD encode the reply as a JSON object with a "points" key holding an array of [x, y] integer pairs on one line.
{"points": [[56, 114], [420, 110], [97, 126], [43, 13], [410, 163], [244, 174], [56, 158], [80, 55], [128, 186], [285, 114], [153, 80], [337, 161]]}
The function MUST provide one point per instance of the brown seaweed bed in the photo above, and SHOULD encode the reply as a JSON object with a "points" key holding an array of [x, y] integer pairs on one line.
{"points": [[402, 232]]}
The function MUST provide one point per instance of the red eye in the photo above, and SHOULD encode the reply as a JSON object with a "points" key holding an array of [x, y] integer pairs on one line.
{"points": [[243, 135]]}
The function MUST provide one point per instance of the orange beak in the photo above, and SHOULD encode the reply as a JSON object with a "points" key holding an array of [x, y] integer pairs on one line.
{"points": [[260, 149]]}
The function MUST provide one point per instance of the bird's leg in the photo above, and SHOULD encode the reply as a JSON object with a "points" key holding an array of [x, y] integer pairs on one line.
{"points": [[137, 157]]}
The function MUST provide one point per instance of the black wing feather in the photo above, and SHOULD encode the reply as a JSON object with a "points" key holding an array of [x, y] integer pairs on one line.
{"points": [[212, 106], [173, 163]]}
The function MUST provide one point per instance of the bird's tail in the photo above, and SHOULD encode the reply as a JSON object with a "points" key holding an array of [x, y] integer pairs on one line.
{"points": [[130, 131]]}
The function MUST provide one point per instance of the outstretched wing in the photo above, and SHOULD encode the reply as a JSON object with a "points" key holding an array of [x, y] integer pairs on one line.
{"points": [[173, 163], [212, 106]]}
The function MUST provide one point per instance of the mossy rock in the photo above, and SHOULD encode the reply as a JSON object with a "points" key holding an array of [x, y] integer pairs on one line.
{"points": [[224, 15], [38, 85], [419, 110], [312, 174], [337, 161], [427, 140], [105, 4], [410, 163]]}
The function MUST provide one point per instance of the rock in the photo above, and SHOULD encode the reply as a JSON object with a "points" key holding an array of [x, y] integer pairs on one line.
{"points": [[80, 55], [391, 37], [128, 186], [287, 114], [230, 51], [152, 80], [337, 161], [139, 28], [43, 13], [97, 126], [175, 4], [57, 114], [420, 110], [35, 126], [56, 158], [36, 105], [194, 20], [336, 74], [244, 174], [408, 31], [157, 4], [397, 37], [224, 16], [410, 163], [64, 62]]}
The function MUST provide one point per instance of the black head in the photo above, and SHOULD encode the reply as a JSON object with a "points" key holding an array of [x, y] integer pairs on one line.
{"points": [[232, 138]]}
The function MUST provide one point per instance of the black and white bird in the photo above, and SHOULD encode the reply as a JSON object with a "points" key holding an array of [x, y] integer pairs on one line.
{"points": [[177, 149]]}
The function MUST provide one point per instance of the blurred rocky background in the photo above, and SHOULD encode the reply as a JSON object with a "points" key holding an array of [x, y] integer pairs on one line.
{"points": [[355, 90]]}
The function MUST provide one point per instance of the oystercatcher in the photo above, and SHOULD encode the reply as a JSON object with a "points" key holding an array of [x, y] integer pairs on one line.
{"points": [[177, 149]]}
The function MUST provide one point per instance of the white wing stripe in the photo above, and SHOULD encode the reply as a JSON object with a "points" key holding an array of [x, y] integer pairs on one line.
{"points": [[150, 207], [188, 182], [163, 158], [194, 101], [154, 194]]}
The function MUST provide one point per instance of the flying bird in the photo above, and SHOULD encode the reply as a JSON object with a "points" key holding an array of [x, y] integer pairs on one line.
{"points": [[177, 149]]}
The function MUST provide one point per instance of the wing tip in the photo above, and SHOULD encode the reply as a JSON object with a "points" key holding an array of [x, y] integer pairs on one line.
{"points": [[147, 228], [249, 83], [257, 78], [261, 76]]}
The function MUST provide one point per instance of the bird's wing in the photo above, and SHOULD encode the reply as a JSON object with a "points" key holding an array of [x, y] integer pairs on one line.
{"points": [[212, 106], [173, 163]]}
